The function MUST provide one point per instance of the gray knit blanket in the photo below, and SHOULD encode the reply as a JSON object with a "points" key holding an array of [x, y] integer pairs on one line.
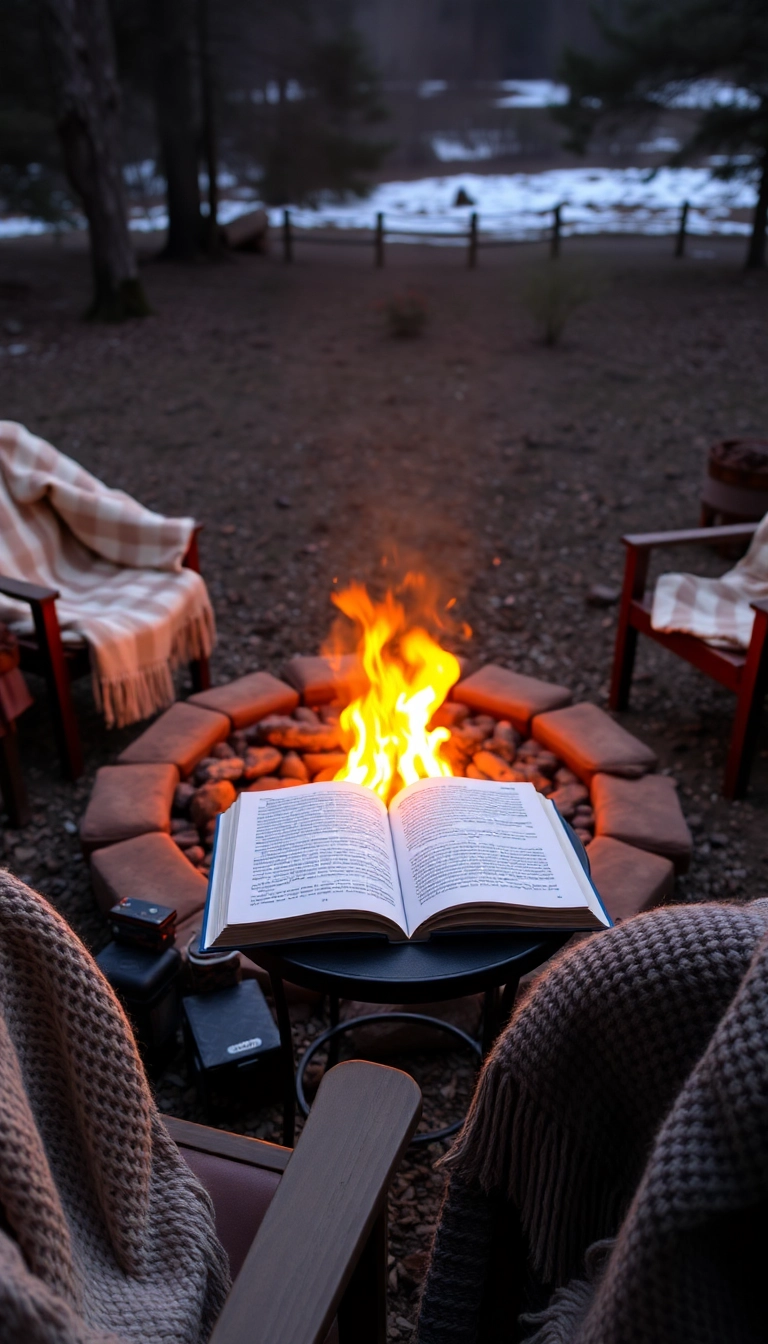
{"points": [[105, 1235], [615, 1157]]}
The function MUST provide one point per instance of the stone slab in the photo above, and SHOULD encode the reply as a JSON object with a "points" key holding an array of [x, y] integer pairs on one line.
{"points": [[128, 800], [321, 680], [152, 868], [629, 880], [645, 813], [590, 742], [509, 695], [182, 736], [248, 698]]}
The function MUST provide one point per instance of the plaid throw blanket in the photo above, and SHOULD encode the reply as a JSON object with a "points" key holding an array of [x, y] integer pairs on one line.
{"points": [[717, 610], [117, 567]]}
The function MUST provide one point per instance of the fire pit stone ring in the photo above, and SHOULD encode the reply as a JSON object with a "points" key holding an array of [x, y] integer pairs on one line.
{"points": [[136, 846], [641, 838]]}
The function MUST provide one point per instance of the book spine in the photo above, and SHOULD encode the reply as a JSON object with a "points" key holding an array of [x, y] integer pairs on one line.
{"points": [[206, 911]]}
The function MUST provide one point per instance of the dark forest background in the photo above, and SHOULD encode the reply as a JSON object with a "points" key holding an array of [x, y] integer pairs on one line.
{"points": [[107, 103]]}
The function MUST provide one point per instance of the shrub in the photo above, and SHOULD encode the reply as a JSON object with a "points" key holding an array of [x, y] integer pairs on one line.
{"points": [[554, 290], [406, 313]]}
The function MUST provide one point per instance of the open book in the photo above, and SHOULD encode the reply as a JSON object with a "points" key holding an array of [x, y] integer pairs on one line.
{"points": [[450, 853]]}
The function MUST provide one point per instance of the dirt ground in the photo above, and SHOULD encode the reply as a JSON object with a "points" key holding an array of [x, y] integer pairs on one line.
{"points": [[271, 402]]}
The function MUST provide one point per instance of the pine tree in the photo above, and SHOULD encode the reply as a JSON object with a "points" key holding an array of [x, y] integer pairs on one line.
{"points": [[32, 181], [321, 141], [660, 52]]}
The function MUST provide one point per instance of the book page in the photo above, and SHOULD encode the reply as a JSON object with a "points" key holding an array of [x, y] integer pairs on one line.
{"points": [[305, 851], [466, 841], [590, 893]]}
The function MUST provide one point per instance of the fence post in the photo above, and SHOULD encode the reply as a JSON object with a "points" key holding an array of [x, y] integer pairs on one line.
{"points": [[554, 245], [287, 237], [378, 242], [472, 253], [681, 231]]}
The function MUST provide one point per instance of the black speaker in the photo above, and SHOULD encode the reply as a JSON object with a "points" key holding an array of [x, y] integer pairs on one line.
{"points": [[232, 1042]]}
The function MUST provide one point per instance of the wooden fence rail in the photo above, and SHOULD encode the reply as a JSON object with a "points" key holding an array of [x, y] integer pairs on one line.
{"points": [[474, 240]]}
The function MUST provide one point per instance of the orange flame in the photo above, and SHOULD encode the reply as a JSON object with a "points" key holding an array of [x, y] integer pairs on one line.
{"points": [[410, 676]]}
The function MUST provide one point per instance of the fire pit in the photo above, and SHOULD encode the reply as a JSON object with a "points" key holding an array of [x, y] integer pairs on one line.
{"points": [[308, 746], [381, 721]]}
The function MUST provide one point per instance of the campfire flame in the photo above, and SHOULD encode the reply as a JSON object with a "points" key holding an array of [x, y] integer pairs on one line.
{"points": [[410, 676]]}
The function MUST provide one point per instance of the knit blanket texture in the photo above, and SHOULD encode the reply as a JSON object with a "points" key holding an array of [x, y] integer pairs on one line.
{"points": [[717, 610], [117, 568], [623, 1115], [105, 1234]]}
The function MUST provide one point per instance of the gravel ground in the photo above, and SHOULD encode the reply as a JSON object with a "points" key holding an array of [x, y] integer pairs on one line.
{"points": [[271, 403]]}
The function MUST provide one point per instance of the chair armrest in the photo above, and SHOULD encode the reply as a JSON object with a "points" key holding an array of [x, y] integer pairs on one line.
{"points": [[326, 1204], [26, 592], [647, 541], [221, 1143], [191, 558]]}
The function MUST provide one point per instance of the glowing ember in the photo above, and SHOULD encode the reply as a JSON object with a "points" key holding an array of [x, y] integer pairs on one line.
{"points": [[409, 676]]}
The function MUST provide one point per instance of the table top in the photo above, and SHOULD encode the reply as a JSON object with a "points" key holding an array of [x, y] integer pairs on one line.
{"points": [[447, 967], [376, 971]]}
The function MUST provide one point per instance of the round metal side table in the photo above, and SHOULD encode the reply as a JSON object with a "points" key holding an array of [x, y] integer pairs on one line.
{"points": [[449, 966]]}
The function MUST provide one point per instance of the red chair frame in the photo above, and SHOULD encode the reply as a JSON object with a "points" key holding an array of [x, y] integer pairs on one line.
{"points": [[744, 673], [44, 653]]}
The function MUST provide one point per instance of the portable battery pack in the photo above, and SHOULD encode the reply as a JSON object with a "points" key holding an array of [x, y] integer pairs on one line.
{"points": [[143, 923]]}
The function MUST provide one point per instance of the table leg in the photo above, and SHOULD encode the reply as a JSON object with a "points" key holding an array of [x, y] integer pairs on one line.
{"points": [[508, 1001], [286, 1058], [325, 1038], [334, 1042], [490, 1026], [497, 1010]]}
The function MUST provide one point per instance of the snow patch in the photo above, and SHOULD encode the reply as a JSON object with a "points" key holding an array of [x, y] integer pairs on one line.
{"points": [[519, 205], [532, 93], [511, 206], [430, 88]]}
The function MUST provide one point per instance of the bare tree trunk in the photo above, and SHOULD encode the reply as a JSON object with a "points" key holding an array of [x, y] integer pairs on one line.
{"points": [[82, 64], [209, 125], [756, 253], [176, 126]]}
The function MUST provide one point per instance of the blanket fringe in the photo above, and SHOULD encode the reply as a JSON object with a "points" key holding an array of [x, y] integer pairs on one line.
{"points": [[563, 1193], [141, 693]]}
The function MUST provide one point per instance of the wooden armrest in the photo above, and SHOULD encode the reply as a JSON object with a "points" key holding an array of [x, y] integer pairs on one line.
{"points": [[26, 592], [731, 532], [325, 1206], [234, 1147], [191, 558]]}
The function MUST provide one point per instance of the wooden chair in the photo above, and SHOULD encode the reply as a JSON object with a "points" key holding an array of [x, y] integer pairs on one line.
{"points": [[744, 673], [14, 699], [320, 1251], [47, 655]]}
